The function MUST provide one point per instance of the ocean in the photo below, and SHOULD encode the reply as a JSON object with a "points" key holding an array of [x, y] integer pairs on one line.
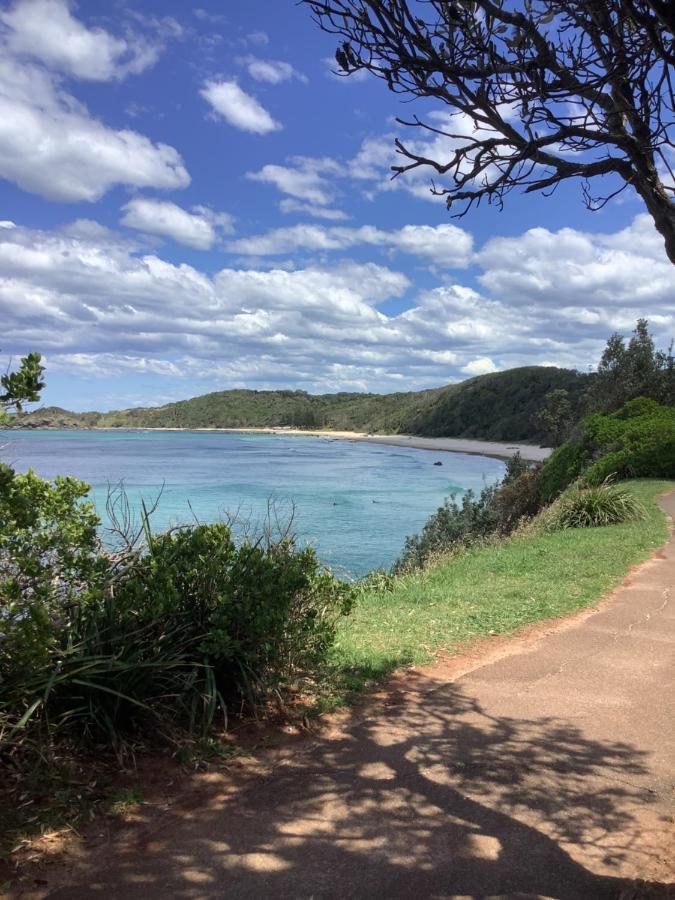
{"points": [[354, 501]]}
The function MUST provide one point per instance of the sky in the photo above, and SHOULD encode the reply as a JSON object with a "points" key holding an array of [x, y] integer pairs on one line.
{"points": [[192, 200]]}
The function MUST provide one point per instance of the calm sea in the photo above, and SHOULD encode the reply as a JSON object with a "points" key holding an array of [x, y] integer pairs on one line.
{"points": [[355, 502]]}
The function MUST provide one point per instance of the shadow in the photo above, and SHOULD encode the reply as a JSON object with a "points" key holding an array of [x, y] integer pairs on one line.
{"points": [[429, 796]]}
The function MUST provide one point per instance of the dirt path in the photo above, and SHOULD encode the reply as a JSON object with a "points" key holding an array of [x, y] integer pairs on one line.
{"points": [[547, 772]]}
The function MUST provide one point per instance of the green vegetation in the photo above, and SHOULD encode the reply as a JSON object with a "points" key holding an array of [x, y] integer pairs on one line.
{"points": [[158, 638], [500, 406], [604, 504], [636, 369], [488, 590], [22, 386]]}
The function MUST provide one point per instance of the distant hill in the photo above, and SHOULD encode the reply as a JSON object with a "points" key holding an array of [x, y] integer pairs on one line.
{"points": [[497, 407]]}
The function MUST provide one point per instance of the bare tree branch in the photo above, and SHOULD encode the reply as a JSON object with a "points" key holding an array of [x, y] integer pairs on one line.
{"points": [[552, 90]]}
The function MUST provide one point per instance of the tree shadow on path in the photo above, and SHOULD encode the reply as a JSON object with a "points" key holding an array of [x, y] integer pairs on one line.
{"points": [[432, 797]]}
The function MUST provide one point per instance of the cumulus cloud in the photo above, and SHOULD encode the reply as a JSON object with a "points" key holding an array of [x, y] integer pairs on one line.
{"points": [[239, 109], [50, 145], [371, 166], [46, 30], [578, 270], [445, 245], [303, 179], [482, 365], [84, 293], [196, 229], [271, 71]]}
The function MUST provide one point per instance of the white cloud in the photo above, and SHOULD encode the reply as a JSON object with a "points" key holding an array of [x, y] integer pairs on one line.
{"points": [[445, 245], [303, 179], [238, 108], [570, 268], [482, 365], [287, 205], [50, 145], [47, 31], [196, 229], [84, 293], [271, 71]]}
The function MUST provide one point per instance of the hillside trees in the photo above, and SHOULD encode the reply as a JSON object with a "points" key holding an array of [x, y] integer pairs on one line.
{"points": [[636, 369], [527, 94], [555, 418]]}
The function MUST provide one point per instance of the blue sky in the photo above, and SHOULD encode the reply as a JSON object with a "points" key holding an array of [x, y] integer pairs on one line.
{"points": [[192, 201]]}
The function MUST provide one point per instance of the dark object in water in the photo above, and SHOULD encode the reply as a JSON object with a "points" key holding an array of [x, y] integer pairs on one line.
{"points": [[439, 463]]}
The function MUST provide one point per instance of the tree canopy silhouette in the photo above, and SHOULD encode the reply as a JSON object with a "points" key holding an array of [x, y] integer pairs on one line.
{"points": [[537, 92]]}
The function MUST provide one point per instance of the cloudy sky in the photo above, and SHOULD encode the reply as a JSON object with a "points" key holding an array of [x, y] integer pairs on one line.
{"points": [[193, 201]]}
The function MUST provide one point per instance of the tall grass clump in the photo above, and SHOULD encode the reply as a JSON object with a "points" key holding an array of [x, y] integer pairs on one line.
{"points": [[604, 504]]}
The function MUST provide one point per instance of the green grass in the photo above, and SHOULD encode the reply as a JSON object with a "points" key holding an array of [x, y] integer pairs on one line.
{"points": [[492, 590]]}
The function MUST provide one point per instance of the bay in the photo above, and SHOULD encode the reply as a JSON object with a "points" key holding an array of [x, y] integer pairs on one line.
{"points": [[354, 501]]}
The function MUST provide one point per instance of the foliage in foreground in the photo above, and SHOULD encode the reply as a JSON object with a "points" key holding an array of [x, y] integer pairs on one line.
{"points": [[160, 635]]}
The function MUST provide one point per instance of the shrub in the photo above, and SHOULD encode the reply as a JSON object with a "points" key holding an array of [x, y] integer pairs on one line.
{"points": [[605, 504], [562, 467], [452, 525], [518, 498], [259, 614], [496, 511], [50, 564], [637, 441], [98, 645]]}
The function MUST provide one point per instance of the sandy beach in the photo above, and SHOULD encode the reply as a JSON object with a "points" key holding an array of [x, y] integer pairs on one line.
{"points": [[441, 444]]}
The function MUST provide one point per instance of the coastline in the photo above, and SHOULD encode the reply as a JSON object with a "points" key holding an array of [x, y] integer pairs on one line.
{"points": [[494, 449]]}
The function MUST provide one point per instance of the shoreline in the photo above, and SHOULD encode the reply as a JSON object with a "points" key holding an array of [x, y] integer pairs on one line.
{"points": [[494, 449]]}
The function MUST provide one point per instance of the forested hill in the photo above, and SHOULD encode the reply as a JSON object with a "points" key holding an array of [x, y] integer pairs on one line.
{"points": [[498, 407]]}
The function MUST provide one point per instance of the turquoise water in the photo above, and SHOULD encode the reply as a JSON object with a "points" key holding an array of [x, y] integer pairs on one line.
{"points": [[355, 502]]}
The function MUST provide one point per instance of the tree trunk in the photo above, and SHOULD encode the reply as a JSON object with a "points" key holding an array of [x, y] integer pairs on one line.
{"points": [[661, 209]]}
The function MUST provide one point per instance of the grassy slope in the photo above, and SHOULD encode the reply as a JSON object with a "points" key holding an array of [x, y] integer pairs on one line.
{"points": [[494, 590]]}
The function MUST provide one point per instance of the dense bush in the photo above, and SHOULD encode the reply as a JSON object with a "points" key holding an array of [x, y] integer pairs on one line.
{"points": [[496, 511], [636, 441], [259, 613], [103, 645], [605, 504], [518, 498], [562, 467], [50, 564], [453, 524]]}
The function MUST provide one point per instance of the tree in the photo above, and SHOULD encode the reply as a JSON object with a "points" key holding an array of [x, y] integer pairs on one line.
{"points": [[23, 385], [634, 370], [538, 92], [555, 418]]}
